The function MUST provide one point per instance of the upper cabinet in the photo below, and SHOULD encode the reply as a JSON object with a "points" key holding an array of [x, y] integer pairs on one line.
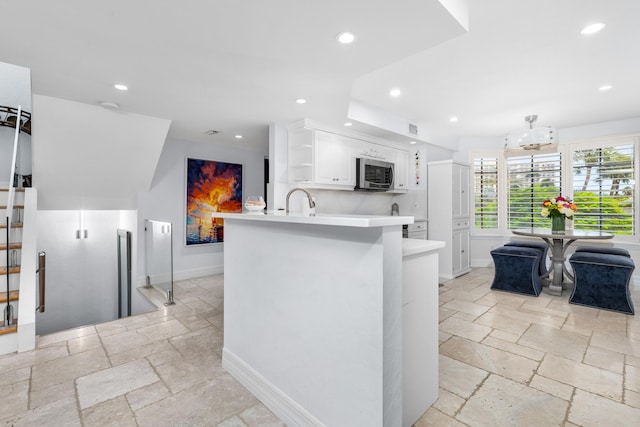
{"points": [[401, 178], [334, 162], [324, 159], [460, 190]]}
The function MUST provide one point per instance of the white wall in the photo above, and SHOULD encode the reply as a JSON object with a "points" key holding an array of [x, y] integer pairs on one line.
{"points": [[15, 86], [88, 157], [81, 274], [166, 202]]}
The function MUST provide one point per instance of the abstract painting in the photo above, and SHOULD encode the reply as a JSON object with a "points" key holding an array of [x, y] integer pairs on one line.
{"points": [[211, 187]]}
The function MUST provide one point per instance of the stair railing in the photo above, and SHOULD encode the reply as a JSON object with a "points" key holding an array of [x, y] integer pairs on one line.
{"points": [[8, 311]]}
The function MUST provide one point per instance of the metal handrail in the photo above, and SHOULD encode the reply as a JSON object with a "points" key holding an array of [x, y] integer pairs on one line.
{"points": [[13, 167], [42, 263], [8, 312]]}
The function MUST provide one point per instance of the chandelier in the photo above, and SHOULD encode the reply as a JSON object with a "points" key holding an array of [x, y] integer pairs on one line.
{"points": [[532, 138]]}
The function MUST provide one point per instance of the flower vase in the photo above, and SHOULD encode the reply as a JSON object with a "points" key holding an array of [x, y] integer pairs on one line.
{"points": [[558, 224]]}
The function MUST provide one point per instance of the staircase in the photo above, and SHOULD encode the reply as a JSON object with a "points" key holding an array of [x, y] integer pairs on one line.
{"points": [[10, 251], [18, 333], [18, 252]]}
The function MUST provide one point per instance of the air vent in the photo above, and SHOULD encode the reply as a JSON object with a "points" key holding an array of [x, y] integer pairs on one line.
{"points": [[413, 129]]}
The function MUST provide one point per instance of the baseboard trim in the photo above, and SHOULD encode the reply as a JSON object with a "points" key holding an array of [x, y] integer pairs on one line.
{"points": [[198, 272], [272, 397], [190, 274], [481, 263]]}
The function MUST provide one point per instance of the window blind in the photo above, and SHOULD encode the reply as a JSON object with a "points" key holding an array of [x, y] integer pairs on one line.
{"points": [[531, 179], [603, 188], [485, 189]]}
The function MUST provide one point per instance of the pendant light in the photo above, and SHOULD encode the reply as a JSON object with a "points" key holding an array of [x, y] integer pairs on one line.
{"points": [[532, 138]]}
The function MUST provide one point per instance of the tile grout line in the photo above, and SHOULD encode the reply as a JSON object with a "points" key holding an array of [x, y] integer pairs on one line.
{"points": [[568, 411], [29, 388], [477, 389], [75, 381]]}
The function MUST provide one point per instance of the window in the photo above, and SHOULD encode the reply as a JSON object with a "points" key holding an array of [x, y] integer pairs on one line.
{"points": [[599, 175], [604, 188], [486, 192], [531, 179]]}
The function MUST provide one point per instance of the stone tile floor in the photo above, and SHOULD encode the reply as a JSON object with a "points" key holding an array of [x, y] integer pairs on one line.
{"points": [[505, 360]]}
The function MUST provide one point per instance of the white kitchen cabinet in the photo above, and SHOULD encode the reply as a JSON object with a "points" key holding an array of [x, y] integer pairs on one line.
{"points": [[401, 178], [419, 329], [322, 158], [449, 214], [460, 190], [369, 150], [333, 162], [460, 251]]}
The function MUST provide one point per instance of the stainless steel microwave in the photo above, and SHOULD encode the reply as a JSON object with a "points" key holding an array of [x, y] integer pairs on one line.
{"points": [[373, 175]]}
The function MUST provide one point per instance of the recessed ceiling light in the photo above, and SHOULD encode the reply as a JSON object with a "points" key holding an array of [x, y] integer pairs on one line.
{"points": [[346, 37], [347, 124], [395, 92], [453, 119], [238, 136], [412, 142], [592, 28], [121, 87], [301, 101], [604, 88]]}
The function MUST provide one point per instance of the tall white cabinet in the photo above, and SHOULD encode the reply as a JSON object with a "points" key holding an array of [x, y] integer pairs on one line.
{"points": [[450, 215]]}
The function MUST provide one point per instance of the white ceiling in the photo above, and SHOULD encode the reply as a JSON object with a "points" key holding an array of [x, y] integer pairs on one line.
{"points": [[236, 66]]}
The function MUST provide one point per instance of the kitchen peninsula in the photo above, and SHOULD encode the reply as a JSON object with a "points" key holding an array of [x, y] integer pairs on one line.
{"points": [[317, 325]]}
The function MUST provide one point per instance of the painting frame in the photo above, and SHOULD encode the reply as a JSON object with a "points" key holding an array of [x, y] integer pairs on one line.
{"points": [[210, 186]]}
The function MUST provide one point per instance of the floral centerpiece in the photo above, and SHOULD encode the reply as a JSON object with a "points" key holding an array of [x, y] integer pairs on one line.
{"points": [[558, 208]]}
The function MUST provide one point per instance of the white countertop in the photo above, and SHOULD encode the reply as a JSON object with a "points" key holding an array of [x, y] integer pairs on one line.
{"points": [[418, 246], [366, 221]]}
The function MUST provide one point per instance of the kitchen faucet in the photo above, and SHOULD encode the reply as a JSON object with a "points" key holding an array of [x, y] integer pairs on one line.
{"points": [[312, 204]]}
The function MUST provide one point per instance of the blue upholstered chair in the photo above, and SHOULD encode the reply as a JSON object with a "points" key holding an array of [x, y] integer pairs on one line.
{"points": [[542, 247], [602, 280], [517, 270], [603, 250]]}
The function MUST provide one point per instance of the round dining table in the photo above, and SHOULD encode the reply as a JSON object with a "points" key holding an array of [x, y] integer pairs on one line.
{"points": [[558, 243]]}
